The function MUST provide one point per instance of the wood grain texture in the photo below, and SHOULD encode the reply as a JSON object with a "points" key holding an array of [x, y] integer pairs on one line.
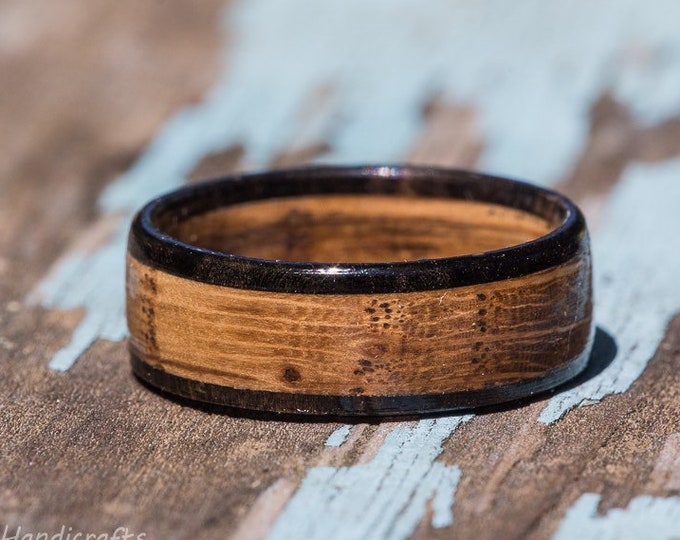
{"points": [[361, 229], [453, 340], [564, 93]]}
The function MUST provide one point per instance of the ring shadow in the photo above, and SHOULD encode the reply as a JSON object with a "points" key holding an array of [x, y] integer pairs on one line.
{"points": [[602, 354]]}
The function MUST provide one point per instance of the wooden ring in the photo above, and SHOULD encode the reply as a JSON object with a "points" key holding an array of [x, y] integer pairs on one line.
{"points": [[359, 291]]}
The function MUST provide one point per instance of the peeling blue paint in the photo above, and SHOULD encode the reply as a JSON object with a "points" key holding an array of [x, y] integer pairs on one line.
{"points": [[636, 278], [94, 281], [644, 517], [338, 437], [384, 498]]}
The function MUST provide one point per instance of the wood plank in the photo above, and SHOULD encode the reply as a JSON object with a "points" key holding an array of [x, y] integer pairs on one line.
{"points": [[104, 105]]}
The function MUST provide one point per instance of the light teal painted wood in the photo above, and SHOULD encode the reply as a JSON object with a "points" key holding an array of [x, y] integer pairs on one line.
{"points": [[531, 71], [384, 498], [637, 264], [644, 517]]}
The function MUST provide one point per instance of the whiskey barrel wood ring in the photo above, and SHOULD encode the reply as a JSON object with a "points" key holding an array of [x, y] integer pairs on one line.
{"points": [[359, 291]]}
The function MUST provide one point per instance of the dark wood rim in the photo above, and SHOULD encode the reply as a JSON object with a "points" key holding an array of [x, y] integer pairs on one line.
{"points": [[353, 405], [150, 243]]}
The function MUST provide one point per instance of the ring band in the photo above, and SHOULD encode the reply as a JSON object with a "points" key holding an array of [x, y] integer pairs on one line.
{"points": [[359, 291]]}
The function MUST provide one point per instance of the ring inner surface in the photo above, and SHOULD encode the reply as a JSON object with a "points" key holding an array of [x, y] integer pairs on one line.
{"points": [[344, 228]]}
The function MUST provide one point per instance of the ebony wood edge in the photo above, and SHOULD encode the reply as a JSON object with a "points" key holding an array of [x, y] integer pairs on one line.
{"points": [[354, 405], [151, 245]]}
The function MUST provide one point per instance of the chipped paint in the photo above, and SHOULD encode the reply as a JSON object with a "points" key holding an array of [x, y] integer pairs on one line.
{"points": [[644, 517], [94, 281], [384, 498], [636, 276], [338, 437]]}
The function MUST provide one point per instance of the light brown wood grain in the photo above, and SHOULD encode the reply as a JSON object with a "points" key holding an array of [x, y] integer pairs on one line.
{"points": [[458, 339], [360, 228]]}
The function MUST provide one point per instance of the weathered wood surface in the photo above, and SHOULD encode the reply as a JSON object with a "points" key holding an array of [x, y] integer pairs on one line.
{"points": [[104, 104]]}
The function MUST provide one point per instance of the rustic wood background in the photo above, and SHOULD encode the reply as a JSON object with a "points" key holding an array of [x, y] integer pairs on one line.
{"points": [[104, 104]]}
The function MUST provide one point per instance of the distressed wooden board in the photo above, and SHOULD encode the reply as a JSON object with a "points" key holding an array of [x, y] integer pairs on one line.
{"points": [[104, 104]]}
